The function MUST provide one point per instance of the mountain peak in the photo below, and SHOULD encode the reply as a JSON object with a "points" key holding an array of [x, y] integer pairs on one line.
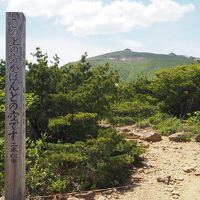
{"points": [[172, 54], [127, 50]]}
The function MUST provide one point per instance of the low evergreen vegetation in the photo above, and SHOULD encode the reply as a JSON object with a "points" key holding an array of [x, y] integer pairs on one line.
{"points": [[67, 147]]}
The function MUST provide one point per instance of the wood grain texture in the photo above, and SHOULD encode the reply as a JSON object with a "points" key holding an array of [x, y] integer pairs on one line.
{"points": [[15, 106]]}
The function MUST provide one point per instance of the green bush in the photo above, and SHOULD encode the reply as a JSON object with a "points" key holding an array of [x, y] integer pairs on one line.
{"points": [[166, 124], [163, 123], [143, 123], [153, 120], [195, 118], [131, 111], [97, 163], [38, 175], [191, 126], [178, 89], [126, 120], [158, 118], [169, 126], [73, 127]]}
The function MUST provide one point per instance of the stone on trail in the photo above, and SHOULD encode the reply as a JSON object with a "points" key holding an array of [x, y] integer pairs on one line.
{"points": [[179, 178], [175, 193], [164, 179], [140, 170], [197, 173], [148, 136], [188, 169], [177, 137], [151, 136], [125, 129], [197, 138]]}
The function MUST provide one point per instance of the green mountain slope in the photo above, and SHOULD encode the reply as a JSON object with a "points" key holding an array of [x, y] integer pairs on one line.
{"points": [[134, 64]]}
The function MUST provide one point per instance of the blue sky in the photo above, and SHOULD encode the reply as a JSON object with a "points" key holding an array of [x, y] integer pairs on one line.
{"points": [[71, 27]]}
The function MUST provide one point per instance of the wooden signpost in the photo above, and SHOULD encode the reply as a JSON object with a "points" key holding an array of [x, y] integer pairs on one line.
{"points": [[15, 106]]}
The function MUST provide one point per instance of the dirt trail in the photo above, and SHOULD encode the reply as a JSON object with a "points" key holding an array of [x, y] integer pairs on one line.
{"points": [[167, 158]]}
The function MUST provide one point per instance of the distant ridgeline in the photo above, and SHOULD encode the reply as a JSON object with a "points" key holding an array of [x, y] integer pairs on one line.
{"points": [[131, 65]]}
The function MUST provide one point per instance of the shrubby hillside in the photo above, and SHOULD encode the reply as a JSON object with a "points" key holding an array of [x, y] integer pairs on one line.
{"points": [[131, 65], [68, 148]]}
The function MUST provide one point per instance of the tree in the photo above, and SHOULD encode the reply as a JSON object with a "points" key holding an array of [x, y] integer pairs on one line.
{"points": [[74, 75], [178, 89], [67, 90], [41, 80]]}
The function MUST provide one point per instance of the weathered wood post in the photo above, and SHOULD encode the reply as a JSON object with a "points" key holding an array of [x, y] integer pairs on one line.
{"points": [[15, 106]]}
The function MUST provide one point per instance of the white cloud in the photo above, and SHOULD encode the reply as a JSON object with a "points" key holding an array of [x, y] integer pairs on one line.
{"points": [[92, 17], [68, 49]]}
